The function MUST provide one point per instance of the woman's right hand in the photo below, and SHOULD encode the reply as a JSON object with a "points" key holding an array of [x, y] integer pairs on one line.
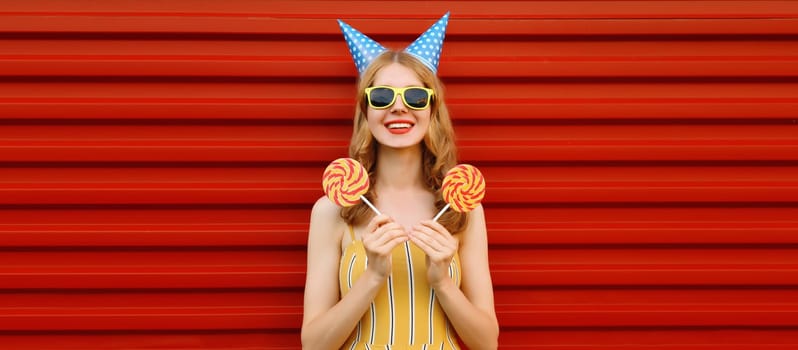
{"points": [[381, 236]]}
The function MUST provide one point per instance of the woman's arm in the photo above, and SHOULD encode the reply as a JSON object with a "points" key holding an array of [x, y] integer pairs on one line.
{"points": [[327, 321], [469, 308]]}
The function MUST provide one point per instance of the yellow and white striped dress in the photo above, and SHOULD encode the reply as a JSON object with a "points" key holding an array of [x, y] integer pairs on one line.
{"points": [[405, 314]]}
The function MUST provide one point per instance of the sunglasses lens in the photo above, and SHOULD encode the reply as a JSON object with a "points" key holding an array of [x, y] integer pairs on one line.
{"points": [[416, 98], [381, 97]]}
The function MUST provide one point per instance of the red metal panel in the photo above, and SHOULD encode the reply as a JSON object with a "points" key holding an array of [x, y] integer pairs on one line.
{"points": [[158, 162]]}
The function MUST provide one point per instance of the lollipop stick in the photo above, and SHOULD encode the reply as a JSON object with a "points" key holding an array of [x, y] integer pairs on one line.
{"points": [[370, 205], [441, 212]]}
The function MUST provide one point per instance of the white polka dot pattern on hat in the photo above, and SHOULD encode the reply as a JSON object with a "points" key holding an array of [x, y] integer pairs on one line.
{"points": [[427, 48], [362, 48]]}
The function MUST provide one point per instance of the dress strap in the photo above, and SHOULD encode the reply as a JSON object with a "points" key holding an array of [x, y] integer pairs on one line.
{"points": [[351, 233]]}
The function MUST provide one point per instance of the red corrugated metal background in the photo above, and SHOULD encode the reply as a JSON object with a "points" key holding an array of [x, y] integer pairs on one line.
{"points": [[160, 159]]}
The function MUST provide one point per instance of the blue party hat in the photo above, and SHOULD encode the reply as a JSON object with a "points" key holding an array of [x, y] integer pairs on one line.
{"points": [[362, 48], [427, 48]]}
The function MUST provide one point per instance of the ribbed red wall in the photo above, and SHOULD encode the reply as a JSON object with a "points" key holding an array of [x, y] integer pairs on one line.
{"points": [[159, 161]]}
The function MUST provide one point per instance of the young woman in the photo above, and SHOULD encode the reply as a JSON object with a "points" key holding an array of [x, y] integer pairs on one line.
{"points": [[399, 280]]}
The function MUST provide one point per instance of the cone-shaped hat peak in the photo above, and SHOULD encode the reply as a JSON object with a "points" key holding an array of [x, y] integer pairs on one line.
{"points": [[362, 48], [426, 48]]}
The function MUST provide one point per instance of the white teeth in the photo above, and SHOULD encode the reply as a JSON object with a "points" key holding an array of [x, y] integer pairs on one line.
{"points": [[399, 125]]}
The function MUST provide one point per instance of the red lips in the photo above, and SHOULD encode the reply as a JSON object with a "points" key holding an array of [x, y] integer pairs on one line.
{"points": [[399, 126]]}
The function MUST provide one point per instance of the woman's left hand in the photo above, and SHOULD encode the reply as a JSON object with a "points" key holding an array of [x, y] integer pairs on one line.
{"points": [[440, 247]]}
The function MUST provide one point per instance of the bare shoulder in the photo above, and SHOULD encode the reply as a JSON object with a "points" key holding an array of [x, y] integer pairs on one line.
{"points": [[476, 230], [476, 220], [325, 219], [325, 207], [478, 213]]}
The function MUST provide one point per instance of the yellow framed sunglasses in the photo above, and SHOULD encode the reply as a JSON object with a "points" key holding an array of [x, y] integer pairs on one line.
{"points": [[414, 97]]}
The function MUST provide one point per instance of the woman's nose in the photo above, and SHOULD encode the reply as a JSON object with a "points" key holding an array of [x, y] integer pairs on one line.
{"points": [[398, 105]]}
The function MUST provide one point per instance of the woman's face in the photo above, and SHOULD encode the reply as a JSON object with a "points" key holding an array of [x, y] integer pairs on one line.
{"points": [[398, 126]]}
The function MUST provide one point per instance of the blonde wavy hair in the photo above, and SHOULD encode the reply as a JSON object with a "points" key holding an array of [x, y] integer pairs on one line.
{"points": [[439, 152]]}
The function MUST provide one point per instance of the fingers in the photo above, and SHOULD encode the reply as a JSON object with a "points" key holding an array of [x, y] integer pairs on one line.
{"points": [[440, 247], [377, 221], [435, 233], [434, 239], [383, 234], [389, 235]]}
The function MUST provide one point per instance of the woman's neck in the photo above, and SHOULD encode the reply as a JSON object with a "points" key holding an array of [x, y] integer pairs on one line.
{"points": [[399, 168]]}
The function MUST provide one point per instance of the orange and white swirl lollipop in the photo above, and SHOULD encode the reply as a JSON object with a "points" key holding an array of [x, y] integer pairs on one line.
{"points": [[463, 189], [345, 181]]}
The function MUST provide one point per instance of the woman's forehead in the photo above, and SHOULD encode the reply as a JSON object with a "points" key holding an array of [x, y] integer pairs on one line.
{"points": [[397, 75]]}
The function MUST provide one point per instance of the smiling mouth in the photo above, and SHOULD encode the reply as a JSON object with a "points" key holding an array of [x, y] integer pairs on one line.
{"points": [[394, 126]]}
